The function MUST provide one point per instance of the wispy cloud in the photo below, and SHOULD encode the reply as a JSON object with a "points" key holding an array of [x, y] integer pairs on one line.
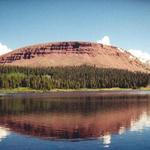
{"points": [[141, 55], [4, 49], [105, 40]]}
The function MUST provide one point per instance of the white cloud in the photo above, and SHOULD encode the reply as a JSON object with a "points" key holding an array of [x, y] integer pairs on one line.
{"points": [[142, 56], [105, 40], [4, 49]]}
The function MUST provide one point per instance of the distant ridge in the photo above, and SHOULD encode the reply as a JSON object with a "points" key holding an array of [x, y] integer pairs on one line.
{"points": [[72, 54]]}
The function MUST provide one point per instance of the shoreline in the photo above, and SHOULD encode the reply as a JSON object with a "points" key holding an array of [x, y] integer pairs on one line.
{"points": [[23, 90]]}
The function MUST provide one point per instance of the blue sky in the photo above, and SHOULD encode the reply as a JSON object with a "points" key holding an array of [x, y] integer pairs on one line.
{"points": [[25, 22]]}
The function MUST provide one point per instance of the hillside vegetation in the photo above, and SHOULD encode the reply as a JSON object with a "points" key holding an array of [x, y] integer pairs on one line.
{"points": [[76, 77]]}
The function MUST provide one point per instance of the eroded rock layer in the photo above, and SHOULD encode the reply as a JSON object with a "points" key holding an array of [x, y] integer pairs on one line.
{"points": [[72, 54]]}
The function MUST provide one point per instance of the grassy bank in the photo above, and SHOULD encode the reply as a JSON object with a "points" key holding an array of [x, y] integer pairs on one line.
{"points": [[145, 88], [18, 90], [86, 89], [26, 90]]}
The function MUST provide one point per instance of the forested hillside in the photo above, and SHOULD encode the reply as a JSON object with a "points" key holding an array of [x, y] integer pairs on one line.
{"points": [[70, 78]]}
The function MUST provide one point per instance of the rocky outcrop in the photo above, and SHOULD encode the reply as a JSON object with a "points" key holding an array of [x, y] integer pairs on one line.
{"points": [[45, 49], [72, 54]]}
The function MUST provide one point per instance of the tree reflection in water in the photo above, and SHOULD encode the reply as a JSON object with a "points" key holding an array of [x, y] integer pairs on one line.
{"points": [[74, 118]]}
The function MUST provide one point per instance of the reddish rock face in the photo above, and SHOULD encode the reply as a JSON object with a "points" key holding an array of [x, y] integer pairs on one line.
{"points": [[72, 54]]}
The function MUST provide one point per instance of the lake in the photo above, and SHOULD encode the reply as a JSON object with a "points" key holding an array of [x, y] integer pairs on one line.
{"points": [[75, 121]]}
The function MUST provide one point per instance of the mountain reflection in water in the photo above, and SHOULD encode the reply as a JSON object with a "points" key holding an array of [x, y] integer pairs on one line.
{"points": [[80, 118]]}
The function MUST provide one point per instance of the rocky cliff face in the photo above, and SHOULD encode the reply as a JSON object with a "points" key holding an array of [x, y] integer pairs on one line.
{"points": [[45, 49], [72, 54]]}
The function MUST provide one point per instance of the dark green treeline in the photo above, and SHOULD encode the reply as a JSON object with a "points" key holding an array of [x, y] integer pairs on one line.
{"points": [[70, 78]]}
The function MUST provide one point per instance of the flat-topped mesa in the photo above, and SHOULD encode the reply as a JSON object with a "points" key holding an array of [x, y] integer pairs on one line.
{"points": [[53, 48], [71, 54]]}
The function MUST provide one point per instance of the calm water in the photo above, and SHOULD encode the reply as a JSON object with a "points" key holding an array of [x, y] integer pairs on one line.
{"points": [[75, 121]]}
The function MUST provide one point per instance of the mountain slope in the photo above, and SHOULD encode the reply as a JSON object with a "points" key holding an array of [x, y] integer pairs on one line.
{"points": [[72, 54]]}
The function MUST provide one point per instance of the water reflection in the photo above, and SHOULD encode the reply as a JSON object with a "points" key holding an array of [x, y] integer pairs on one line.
{"points": [[142, 123], [4, 133], [106, 139], [74, 118]]}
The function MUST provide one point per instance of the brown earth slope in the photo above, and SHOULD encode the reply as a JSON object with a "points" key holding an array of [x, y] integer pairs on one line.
{"points": [[72, 54]]}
